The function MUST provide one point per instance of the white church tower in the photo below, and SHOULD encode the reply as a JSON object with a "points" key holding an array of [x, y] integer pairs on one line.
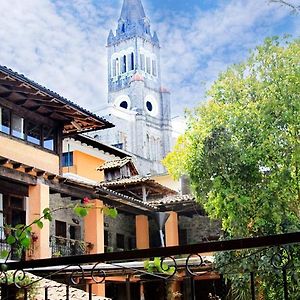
{"points": [[137, 104]]}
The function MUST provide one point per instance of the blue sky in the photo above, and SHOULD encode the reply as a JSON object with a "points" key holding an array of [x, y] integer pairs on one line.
{"points": [[61, 43]]}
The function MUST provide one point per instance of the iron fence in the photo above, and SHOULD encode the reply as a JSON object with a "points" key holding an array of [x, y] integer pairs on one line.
{"points": [[184, 264], [61, 246]]}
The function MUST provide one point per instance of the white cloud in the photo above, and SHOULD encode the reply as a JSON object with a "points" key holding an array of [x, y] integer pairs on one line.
{"points": [[61, 44]]}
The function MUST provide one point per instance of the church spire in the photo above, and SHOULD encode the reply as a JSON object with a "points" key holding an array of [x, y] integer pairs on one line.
{"points": [[132, 23], [132, 11]]}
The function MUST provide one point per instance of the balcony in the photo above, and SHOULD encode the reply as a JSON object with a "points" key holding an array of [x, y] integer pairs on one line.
{"points": [[61, 246]]}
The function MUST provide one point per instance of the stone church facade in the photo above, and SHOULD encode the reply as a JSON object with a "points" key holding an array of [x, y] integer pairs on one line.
{"points": [[137, 104]]}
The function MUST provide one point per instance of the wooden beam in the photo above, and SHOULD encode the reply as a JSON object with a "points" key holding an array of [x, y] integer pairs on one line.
{"points": [[16, 165], [28, 169], [17, 176], [7, 186], [26, 113], [4, 161]]}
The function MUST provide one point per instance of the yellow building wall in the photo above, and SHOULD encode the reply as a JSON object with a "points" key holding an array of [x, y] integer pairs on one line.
{"points": [[167, 181], [29, 155], [85, 165]]}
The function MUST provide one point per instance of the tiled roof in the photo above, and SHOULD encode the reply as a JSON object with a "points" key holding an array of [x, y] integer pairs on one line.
{"points": [[127, 181], [116, 163], [177, 199], [135, 181]]}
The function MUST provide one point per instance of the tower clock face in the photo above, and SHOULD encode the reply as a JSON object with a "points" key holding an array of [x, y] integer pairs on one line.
{"points": [[123, 101], [151, 106]]}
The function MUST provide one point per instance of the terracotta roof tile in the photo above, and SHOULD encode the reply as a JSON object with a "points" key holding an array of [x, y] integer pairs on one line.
{"points": [[116, 163], [174, 200]]}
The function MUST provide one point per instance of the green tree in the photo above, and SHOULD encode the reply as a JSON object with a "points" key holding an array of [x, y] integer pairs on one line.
{"points": [[242, 147]]}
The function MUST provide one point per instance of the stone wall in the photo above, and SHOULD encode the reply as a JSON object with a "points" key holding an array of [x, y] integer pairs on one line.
{"points": [[199, 228], [123, 225], [65, 215]]}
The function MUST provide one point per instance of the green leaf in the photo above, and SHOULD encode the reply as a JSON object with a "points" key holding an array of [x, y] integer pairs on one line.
{"points": [[46, 211], [25, 242], [10, 239], [113, 213], [80, 211], [40, 224], [3, 254], [48, 216]]}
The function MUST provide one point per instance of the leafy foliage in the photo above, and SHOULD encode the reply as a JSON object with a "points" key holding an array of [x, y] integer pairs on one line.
{"points": [[242, 147], [157, 266]]}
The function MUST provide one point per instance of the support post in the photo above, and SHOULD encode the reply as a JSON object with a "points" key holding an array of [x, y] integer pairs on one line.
{"points": [[94, 234], [171, 230], [94, 227], [142, 232], [39, 200]]}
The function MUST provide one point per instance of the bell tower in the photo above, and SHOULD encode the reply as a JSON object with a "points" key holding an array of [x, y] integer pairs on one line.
{"points": [[137, 103]]}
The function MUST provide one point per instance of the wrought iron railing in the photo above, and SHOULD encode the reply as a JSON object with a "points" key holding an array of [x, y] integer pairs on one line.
{"points": [[190, 267], [61, 246]]}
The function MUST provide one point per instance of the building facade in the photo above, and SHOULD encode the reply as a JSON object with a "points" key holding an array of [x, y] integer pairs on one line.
{"points": [[137, 103]]}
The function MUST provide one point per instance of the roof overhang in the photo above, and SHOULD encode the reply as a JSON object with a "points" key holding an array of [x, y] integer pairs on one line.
{"points": [[26, 96]]}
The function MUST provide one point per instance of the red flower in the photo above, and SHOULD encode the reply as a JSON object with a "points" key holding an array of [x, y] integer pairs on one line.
{"points": [[85, 200]]}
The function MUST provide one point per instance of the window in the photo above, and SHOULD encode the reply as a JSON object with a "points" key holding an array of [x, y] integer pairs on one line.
{"points": [[124, 104], [154, 73], [114, 68], [117, 67], [4, 120], [131, 243], [123, 28], [149, 106], [120, 241], [33, 133], [105, 238], [14, 212], [183, 238], [67, 159], [142, 58], [131, 62], [17, 126], [148, 66], [24, 129], [60, 228], [124, 66], [48, 138]]}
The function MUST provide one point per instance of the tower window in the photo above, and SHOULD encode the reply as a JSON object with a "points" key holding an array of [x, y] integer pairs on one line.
{"points": [[142, 58], [149, 105], [154, 72], [117, 66], [114, 68], [148, 66], [124, 104], [123, 28], [131, 62], [124, 67]]}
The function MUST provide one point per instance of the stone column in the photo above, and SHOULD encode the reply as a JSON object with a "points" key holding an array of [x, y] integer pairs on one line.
{"points": [[171, 230], [142, 232], [39, 200]]}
